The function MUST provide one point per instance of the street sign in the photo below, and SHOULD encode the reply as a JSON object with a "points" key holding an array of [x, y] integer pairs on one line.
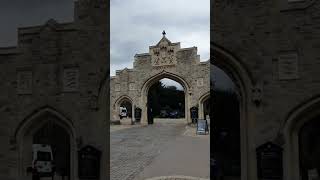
{"points": [[202, 126]]}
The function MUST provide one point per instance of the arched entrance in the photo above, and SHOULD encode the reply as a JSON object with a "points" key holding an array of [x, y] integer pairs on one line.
{"points": [[128, 107], [226, 126], [124, 102], [242, 79], [302, 139], [204, 109], [147, 112], [164, 60], [166, 100], [47, 126], [309, 149], [58, 138]]}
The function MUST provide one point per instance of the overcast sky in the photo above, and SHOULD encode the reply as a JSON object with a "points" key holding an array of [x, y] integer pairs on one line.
{"points": [[20, 13], [137, 24], [221, 79]]}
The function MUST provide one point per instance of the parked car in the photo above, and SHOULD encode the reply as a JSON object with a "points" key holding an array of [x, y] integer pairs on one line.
{"points": [[174, 114], [42, 161], [123, 112], [164, 114]]}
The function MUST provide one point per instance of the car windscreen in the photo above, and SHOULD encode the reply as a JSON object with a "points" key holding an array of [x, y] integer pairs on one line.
{"points": [[43, 156]]}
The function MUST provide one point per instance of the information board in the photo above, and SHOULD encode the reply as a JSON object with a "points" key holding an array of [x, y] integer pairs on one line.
{"points": [[89, 163], [269, 161], [202, 126], [137, 114]]}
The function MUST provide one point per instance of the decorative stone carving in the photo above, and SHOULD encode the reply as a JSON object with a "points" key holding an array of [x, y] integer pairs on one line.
{"points": [[132, 87], [79, 141], [257, 94], [70, 79], [12, 143], [164, 54], [288, 66], [24, 82], [200, 82], [124, 86], [94, 102], [117, 87]]}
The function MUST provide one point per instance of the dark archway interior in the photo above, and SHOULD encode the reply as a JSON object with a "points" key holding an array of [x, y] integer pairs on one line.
{"points": [[166, 100], [128, 105], [225, 125], [309, 148], [206, 108], [59, 140]]}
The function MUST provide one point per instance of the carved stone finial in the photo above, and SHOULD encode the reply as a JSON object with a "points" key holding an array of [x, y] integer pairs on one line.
{"points": [[164, 33]]}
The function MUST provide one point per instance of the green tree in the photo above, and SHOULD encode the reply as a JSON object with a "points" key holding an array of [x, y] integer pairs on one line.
{"points": [[165, 97]]}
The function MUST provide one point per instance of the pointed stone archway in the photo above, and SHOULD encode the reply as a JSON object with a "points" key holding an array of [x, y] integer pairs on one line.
{"points": [[202, 103], [243, 81], [299, 116], [164, 60], [119, 101], [147, 84], [28, 133]]}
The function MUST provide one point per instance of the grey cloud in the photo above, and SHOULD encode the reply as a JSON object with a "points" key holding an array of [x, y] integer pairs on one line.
{"points": [[169, 82], [221, 79], [19, 13], [192, 22], [137, 24]]}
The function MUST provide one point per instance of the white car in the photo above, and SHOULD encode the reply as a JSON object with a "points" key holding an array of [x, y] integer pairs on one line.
{"points": [[123, 112], [42, 159]]}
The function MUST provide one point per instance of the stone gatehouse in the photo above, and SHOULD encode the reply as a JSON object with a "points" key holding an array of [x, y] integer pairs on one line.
{"points": [[53, 91], [270, 49], [164, 60]]}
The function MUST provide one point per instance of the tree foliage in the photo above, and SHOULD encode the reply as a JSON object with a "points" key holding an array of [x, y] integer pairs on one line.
{"points": [[163, 97]]}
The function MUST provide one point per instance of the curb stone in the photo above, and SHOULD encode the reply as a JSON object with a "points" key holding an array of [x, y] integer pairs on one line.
{"points": [[176, 178]]}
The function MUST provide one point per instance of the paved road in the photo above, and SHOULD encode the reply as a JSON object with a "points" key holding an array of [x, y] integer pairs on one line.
{"points": [[155, 150]]}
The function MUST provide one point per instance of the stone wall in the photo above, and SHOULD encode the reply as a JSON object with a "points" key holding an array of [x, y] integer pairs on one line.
{"points": [[56, 68], [185, 68], [277, 43]]}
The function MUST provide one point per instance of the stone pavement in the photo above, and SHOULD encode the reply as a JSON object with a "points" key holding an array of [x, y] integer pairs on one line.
{"points": [[184, 156], [142, 152], [176, 178], [114, 128]]}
